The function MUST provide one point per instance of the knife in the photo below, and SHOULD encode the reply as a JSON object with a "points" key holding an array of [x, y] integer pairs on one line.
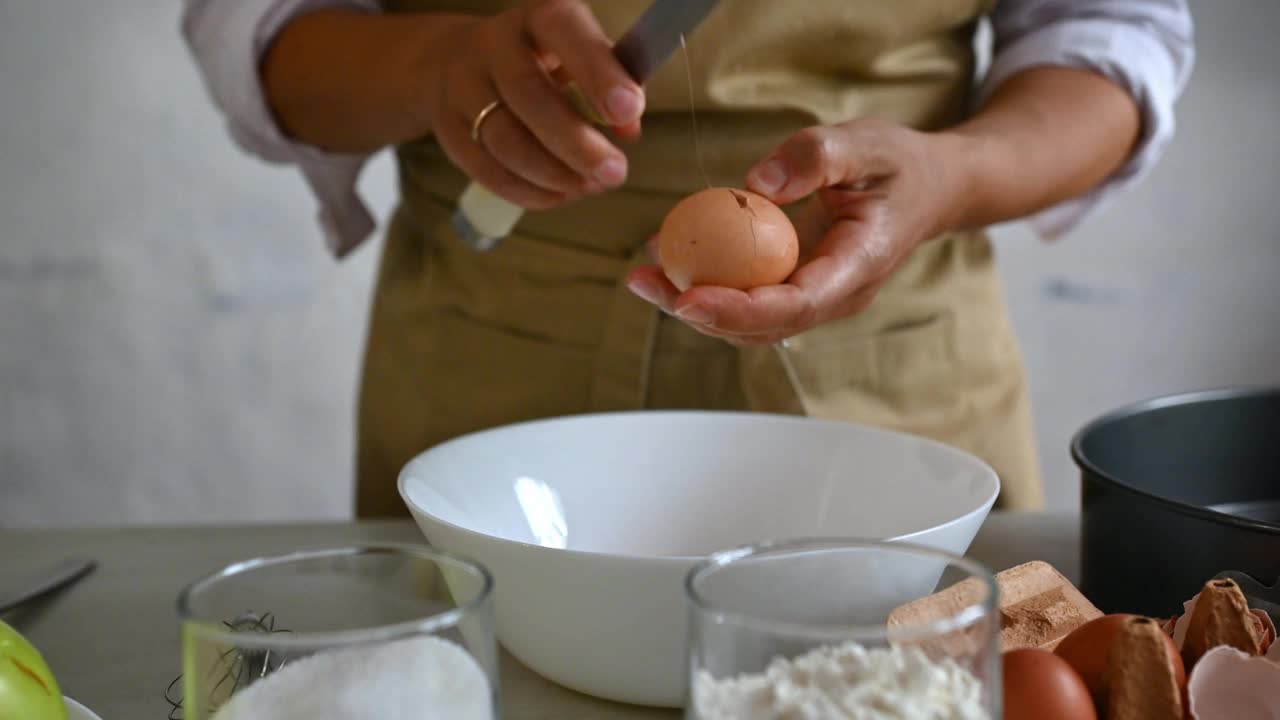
{"points": [[64, 573], [483, 219]]}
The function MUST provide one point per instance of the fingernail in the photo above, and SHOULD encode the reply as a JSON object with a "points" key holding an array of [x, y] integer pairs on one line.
{"points": [[645, 292], [695, 314], [769, 176], [624, 105], [611, 172]]}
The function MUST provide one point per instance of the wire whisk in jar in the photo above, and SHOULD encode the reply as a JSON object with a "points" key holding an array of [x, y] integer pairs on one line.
{"points": [[236, 668], [341, 605]]}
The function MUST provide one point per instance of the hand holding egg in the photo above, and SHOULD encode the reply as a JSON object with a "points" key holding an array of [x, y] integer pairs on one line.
{"points": [[732, 264]]}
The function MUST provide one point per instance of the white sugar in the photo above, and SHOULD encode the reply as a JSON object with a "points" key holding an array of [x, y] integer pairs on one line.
{"points": [[422, 678]]}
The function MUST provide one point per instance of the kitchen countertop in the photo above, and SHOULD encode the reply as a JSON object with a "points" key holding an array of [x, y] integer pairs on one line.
{"points": [[113, 642]]}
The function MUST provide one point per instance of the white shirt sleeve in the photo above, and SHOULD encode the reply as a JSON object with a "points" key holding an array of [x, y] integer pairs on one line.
{"points": [[228, 40], [1145, 46]]}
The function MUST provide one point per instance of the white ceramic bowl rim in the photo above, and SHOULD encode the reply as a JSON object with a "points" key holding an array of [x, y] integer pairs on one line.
{"points": [[407, 472], [77, 711], [311, 640], [959, 620]]}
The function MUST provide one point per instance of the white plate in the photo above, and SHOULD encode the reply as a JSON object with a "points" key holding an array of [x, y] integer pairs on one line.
{"points": [[76, 711]]}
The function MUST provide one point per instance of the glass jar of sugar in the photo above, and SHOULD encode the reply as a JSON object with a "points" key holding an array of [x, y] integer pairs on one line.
{"points": [[387, 631]]}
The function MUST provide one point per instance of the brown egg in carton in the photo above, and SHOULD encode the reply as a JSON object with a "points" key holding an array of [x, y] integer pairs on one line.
{"points": [[1038, 606], [1218, 659]]}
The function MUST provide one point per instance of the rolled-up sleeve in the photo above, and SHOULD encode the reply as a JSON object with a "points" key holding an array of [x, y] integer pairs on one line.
{"points": [[1144, 46], [227, 40]]}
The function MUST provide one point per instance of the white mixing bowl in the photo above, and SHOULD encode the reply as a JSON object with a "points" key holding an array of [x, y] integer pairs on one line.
{"points": [[589, 523]]}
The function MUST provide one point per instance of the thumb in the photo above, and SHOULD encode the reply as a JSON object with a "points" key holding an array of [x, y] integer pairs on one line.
{"points": [[817, 158]]}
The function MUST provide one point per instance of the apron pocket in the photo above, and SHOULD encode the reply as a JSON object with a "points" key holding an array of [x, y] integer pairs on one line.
{"points": [[484, 375], [909, 365]]}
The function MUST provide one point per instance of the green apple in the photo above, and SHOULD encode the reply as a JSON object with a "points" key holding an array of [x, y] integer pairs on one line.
{"points": [[28, 690]]}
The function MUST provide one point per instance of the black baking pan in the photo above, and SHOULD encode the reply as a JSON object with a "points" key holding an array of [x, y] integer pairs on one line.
{"points": [[1176, 491]]}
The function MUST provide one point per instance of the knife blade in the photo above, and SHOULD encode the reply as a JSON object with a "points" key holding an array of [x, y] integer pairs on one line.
{"points": [[64, 573], [656, 35], [483, 219]]}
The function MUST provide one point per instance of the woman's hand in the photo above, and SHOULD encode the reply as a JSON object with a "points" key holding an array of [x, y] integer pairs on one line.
{"points": [[881, 190], [1045, 135], [534, 148], [353, 82]]}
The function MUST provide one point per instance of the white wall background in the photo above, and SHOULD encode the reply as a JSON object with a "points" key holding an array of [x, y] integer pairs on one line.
{"points": [[176, 346]]}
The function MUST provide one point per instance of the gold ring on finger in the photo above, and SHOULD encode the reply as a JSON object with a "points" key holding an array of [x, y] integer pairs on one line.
{"points": [[480, 118]]}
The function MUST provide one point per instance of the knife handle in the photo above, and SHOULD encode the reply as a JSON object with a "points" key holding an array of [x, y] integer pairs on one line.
{"points": [[483, 219]]}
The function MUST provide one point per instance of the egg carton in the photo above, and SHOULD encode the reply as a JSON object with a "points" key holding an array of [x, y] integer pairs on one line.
{"points": [[1038, 606]]}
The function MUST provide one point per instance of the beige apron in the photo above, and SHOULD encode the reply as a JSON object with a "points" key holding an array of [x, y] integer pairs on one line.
{"points": [[460, 341]]}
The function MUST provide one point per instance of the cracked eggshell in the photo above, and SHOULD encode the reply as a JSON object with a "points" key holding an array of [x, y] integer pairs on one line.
{"points": [[728, 238], [1228, 684]]}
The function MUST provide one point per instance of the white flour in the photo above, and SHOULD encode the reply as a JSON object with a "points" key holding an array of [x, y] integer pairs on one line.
{"points": [[848, 682], [422, 678]]}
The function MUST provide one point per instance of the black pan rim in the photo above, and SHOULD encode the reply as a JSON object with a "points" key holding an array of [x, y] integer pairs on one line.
{"points": [[1155, 403]]}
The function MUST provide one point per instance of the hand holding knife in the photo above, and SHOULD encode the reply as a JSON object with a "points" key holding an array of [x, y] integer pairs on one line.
{"points": [[483, 219]]}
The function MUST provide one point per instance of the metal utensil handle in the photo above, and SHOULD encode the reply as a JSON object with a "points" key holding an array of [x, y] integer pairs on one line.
{"points": [[63, 573]]}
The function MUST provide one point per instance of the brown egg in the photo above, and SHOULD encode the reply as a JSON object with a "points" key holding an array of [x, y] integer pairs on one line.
{"points": [[1039, 685], [727, 237]]}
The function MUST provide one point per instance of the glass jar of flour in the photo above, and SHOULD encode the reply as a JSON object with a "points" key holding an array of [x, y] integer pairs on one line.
{"points": [[817, 629]]}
